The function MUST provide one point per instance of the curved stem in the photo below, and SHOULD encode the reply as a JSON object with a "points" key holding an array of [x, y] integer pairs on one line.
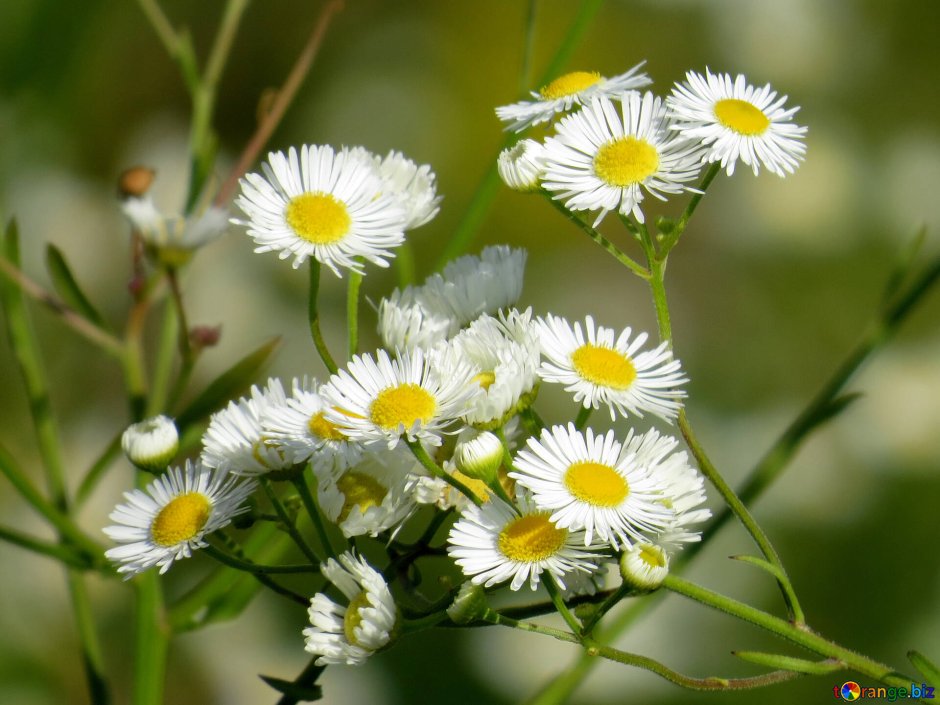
{"points": [[437, 471], [313, 313], [254, 568], [287, 522], [313, 511], [352, 311], [671, 238], [554, 593]]}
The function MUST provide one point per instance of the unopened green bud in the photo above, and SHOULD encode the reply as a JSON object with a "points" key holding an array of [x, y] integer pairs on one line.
{"points": [[151, 444], [469, 605], [480, 457]]}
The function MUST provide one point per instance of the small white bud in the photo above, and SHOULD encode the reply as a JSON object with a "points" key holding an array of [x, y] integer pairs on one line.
{"points": [[151, 444], [521, 166], [644, 566], [479, 457]]}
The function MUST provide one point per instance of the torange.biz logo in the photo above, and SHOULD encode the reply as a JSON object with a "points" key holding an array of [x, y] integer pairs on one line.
{"points": [[850, 690]]}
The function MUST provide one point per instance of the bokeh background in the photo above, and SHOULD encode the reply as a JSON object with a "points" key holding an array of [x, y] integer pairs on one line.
{"points": [[773, 283]]}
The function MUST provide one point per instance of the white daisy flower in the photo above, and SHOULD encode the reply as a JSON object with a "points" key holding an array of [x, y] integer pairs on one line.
{"points": [[521, 166], [152, 443], [683, 487], [414, 187], [236, 441], [601, 369], [593, 483], [505, 368], [302, 432], [606, 155], [168, 521], [644, 566], [374, 495], [493, 544], [350, 634], [410, 319], [322, 204], [736, 120], [560, 95], [382, 399], [173, 238]]}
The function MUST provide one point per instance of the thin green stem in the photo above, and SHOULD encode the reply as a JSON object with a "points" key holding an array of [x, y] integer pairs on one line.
{"points": [[554, 592], [224, 39], [315, 515], [608, 604], [670, 239], [606, 244], [60, 552], [91, 650], [437, 471], [798, 634], [163, 366], [528, 46], [186, 349], [161, 25], [313, 312], [288, 522], [152, 641], [584, 413], [255, 568], [352, 311]]}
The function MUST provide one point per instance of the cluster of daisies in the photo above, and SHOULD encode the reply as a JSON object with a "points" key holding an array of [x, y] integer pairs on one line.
{"points": [[622, 143]]}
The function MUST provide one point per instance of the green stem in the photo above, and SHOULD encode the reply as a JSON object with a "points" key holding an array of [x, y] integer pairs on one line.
{"points": [[528, 46], [315, 515], [584, 413], [91, 650], [163, 366], [671, 238], [313, 312], [152, 641], [554, 592], [798, 634], [606, 244], [352, 311], [60, 552], [437, 471], [161, 25], [254, 568], [486, 191], [288, 523]]}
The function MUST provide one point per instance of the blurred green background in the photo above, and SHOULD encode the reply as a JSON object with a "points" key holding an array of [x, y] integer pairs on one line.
{"points": [[773, 283]]}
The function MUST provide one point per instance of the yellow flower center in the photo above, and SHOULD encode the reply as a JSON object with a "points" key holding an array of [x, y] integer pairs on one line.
{"points": [[596, 484], [603, 366], [402, 405], [353, 618], [478, 487], [652, 556], [359, 490], [485, 379], [318, 218], [181, 519], [741, 116], [266, 444], [626, 161], [569, 84], [531, 538], [320, 427]]}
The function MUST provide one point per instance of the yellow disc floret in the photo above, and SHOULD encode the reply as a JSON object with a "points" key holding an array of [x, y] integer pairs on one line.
{"points": [[359, 490], [604, 366], [485, 379], [596, 484], [569, 84], [741, 116], [626, 161], [318, 218], [653, 556], [181, 519], [402, 406], [320, 427], [531, 538], [353, 618]]}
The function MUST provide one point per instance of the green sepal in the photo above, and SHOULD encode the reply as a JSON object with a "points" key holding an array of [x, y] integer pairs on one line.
{"points": [[790, 663], [63, 281], [925, 666], [665, 225], [228, 385], [300, 693]]}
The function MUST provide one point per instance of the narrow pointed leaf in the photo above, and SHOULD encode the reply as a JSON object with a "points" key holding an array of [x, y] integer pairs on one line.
{"points": [[229, 385], [928, 669], [789, 663], [300, 693], [67, 287], [760, 563]]}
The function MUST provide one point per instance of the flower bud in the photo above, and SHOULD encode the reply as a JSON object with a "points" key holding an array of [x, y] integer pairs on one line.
{"points": [[479, 457], [520, 166], [135, 181], [469, 605], [151, 444], [644, 567]]}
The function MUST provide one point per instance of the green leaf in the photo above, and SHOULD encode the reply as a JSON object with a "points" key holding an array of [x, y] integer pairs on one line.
{"points": [[230, 384], [927, 668], [904, 265], [762, 564], [300, 693], [789, 663], [11, 243], [67, 288]]}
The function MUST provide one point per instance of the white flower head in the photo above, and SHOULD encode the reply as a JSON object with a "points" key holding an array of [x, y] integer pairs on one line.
{"points": [[235, 439], [593, 483], [323, 204], [350, 634], [521, 166], [302, 432], [168, 521], [608, 155], [381, 399], [493, 544], [173, 238], [735, 120], [644, 566], [479, 456], [374, 495], [152, 443], [560, 95], [410, 318], [599, 368], [414, 186]]}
